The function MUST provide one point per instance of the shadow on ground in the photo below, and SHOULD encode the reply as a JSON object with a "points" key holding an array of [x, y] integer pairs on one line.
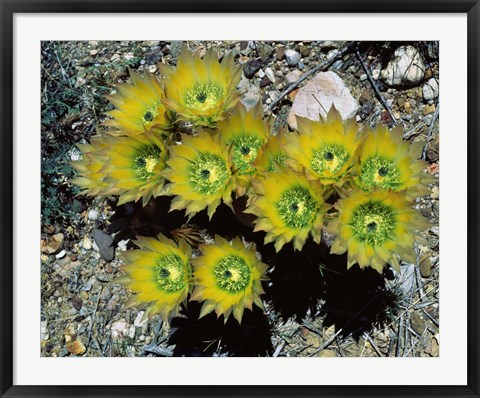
{"points": [[209, 335], [352, 300]]}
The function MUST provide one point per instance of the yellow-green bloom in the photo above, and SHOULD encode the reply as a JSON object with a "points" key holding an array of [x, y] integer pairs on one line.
{"points": [[325, 149], [200, 174], [228, 278], [126, 166], [159, 273], [273, 155], [244, 133], [289, 208], [139, 106], [201, 91], [385, 161], [375, 228], [89, 175]]}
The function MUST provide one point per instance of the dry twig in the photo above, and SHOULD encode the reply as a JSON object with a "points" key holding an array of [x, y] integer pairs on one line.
{"points": [[375, 88], [325, 64]]}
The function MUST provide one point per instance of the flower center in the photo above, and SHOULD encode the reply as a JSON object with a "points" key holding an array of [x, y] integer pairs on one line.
{"points": [[329, 158], [297, 207], [208, 174], [171, 273], [145, 162], [378, 172], [150, 114], [373, 223], [148, 117], [232, 274], [244, 151], [203, 97]]}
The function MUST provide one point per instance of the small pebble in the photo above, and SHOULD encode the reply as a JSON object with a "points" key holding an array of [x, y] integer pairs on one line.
{"points": [[60, 255], [430, 89], [292, 57], [428, 120], [93, 215], [270, 74], [428, 109]]}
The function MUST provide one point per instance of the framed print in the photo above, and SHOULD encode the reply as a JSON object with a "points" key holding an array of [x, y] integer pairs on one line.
{"points": [[269, 199]]}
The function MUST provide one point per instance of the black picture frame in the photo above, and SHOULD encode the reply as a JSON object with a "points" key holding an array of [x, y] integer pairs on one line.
{"points": [[9, 8]]}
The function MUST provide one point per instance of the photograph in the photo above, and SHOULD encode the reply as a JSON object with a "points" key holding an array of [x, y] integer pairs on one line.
{"points": [[243, 198]]}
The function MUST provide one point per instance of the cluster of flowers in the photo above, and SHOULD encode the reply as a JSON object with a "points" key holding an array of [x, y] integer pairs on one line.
{"points": [[359, 186]]}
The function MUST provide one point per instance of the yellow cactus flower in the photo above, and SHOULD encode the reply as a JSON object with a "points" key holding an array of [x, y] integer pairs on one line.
{"points": [[228, 278], [200, 174], [89, 175], [201, 91], [385, 161], [273, 155], [326, 149], [125, 166], [159, 273], [289, 208], [244, 133], [139, 106], [374, 228]]}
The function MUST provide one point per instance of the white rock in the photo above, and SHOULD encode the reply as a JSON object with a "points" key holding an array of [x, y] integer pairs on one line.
{"points": [[139, 322], [118, 328], [406, 68], [122, 245], [376, 74], [60, 255], [261, 74], [75, 155], [93, 215], [152, 68], [292, 57], [270, 74], [317, 97], [430, 89], [292, 76], [131, 331], [251, 97], [87, 243], [273, 95], [44, 331]]}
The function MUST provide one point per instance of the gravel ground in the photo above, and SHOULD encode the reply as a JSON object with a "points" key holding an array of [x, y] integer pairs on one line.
{"points": [[312, 310]]}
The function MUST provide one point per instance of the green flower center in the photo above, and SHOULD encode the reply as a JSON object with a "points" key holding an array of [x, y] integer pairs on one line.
{"points": [[150, 114], [297, 207], [145, 162], [378, 172], [203, 97], [275, 162], [171, 273], [373, 223], [232, 274], [148, 117], [244, 151], [208, 174], [329, 158]]}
